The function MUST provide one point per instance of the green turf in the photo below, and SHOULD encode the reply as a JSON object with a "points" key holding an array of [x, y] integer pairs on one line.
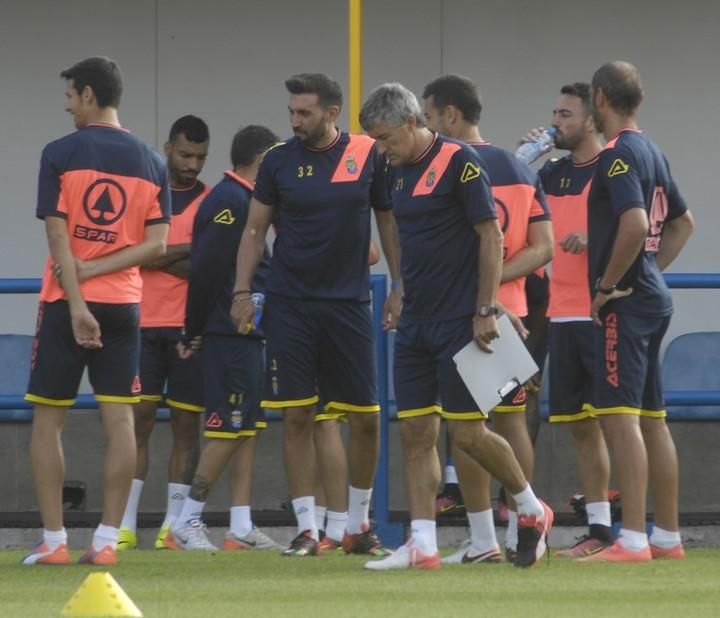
{"points": [[260, 584]]}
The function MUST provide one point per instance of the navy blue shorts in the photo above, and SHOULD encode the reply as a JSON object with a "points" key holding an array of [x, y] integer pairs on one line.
{"points": [[319, 345], [233, 375], [571, 368], [426, 378], [58, 362], [627, 377], [514, 401], [161, 365]]}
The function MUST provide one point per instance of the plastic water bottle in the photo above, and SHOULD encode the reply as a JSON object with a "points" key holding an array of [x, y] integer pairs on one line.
{"points": [[529, 151], [258, 301]]}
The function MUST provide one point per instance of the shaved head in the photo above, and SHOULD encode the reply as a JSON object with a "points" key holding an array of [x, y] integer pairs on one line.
{"points": [[620, 83]]}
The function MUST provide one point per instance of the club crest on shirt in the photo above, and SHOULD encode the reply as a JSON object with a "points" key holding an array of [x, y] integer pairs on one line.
{"points": [[430, 179], [351, 165], [618, 167]]}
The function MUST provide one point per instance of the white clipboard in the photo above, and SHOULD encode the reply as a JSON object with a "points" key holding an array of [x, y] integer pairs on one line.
{"points": [[491, 376]]}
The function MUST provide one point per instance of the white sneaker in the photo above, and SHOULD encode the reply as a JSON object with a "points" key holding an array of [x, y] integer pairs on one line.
{"points": [[456, 557], [257, 539], [406, 557], [192, 536]]}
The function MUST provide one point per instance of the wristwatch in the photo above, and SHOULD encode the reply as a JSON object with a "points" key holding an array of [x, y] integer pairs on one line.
{"points": [[602, 290], [485, 311]]}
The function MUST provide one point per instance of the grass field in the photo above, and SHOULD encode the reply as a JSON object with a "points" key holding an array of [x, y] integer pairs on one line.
{"points": [[260, 584]]}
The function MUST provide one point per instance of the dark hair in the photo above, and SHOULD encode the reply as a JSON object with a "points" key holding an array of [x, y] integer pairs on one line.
{"points": [[456, 90], [193, 128], [249, 142], [620, 82], [99, 73], [325, 87], [581, 90]]}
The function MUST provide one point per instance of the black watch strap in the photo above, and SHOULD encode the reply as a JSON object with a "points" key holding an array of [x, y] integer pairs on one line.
{"points": [[602, 290], [485, 311]]}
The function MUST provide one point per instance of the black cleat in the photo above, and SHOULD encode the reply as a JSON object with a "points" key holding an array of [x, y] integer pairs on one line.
{"points": [[302, 545]]}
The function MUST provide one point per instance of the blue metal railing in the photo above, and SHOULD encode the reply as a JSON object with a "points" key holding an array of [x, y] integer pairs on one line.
{"points": [[14, 409]]}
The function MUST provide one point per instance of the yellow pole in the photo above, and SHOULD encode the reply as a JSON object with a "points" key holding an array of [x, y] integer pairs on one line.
{"points": [[355, 63]]}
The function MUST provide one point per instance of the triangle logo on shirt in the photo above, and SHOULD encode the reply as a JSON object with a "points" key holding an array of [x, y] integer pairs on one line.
{"points": [[225, 217], [471, 172], [618, 167]]}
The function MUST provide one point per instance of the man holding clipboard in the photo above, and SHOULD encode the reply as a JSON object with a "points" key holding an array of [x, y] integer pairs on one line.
{"points": [[445, 212]]}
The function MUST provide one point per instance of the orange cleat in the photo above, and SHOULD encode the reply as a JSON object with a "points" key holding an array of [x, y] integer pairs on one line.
{"points": [[42, 554], [327, 545], [106, 556], [676, 552], [618, 553], [532, 537]]}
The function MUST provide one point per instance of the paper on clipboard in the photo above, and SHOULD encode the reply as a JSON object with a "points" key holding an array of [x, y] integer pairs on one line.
{"points": [[489, 377]]}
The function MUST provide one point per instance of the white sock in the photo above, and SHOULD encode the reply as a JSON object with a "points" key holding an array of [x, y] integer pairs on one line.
{"points": [[598, 513], [177, 492], [451, 474], [304, 508], [424, 536], [129, 519], [105, 535], [320, 513], [240, 521], [511, 536], [482, 531], [358, 510], [664, 538], [632, 540], [528, 504], [336, 524], [192, 509], [54, 538]]}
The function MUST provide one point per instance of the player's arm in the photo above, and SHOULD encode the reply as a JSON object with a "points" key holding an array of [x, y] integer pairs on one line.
{"points": [[537, 252], [373, 254], [212, 257], [176, 261], [674, 236], [390, 241], [490, 270], [631, 234], [153, 245], [85, 327], [249, 254]]}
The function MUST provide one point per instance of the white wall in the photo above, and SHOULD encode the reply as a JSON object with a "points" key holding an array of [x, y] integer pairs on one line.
{"points": [[226, 61]]}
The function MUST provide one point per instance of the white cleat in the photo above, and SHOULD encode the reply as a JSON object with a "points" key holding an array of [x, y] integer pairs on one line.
{"points": [[257, 539], [192, 536], [406, 557], [457, 556]]}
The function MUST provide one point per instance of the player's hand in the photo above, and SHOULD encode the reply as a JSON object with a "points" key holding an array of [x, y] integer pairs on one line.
{"points": [[392, 310], [574, 242], [517, 324], [601, 300], [532, 136], [242, 313], [186, 349], [485, 330], [86, 329]]}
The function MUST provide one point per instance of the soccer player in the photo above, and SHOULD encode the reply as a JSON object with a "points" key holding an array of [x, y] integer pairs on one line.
{"points": [[637, 224], [162, 315], [445, 212], [452, 108], [318, 189], [232, 364], [105, 201], [567, 184]]}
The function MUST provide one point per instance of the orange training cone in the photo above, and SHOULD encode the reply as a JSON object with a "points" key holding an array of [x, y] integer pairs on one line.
{"points": [[101, 595]]}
